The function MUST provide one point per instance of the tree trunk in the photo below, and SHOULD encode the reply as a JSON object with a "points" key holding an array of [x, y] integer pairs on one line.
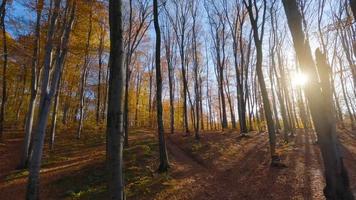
{"points": [[84, 77], [196, 73], [266, 104], [353, 7], [163, 156], [34, 87], [100, 54], [114, 127], [4, 72], [337, 182], [54, 116], [47, 95]]}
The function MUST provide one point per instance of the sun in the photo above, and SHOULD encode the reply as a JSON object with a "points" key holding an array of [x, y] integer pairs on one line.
{"points": [[299, 79]]}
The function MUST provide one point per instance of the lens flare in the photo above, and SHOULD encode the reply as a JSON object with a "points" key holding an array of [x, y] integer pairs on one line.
{"points": [[299, 79]]}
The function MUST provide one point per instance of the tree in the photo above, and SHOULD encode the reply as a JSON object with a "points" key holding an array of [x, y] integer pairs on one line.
{"points": [[217, 22], [34, 88], [353, 7], [169, 54], [137, 28], [163, 156], [4, 88], [114, 128], [179, 23], [48, 90], [194, 9], [258, 38], [84, 74], [337, 182]]}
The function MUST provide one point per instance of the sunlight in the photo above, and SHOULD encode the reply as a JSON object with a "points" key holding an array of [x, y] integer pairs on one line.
{"points": [[299, 79]]}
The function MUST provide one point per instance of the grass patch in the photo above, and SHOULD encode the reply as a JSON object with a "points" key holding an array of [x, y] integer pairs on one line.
{"points": [[17, 174], [140, 177]]}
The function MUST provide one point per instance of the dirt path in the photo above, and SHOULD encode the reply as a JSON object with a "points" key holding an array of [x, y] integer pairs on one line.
{"points": [[249, 175]]}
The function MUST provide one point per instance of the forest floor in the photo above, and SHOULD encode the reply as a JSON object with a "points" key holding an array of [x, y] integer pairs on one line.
{"points": [[222, 165]]}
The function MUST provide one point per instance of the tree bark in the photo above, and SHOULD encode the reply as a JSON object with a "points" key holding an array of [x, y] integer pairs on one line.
{"points": [[266, 104], [337, 182], [4, 72], [163, 156], [84, 76], [47, 93], [34, 87], [114, 127]]}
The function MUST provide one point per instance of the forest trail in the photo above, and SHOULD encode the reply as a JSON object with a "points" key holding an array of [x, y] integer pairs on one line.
{"points": [[222, 165]]}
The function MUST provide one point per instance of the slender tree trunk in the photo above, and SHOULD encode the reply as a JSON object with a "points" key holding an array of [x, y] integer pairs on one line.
{"points": [[266, 104], [196, 73], [353, 7], [100, 53], [47, 94], [54, 117], [163, 156], [22, 96], [34, 87], [138, 91], [4, 72], [150, 97], [229, 100], [351, 116], [84, 76]]}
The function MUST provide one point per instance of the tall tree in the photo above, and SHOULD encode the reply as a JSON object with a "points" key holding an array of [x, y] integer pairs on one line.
{"points": [[34, 88], [137, 28], [169, 51], [48, 90], [180, 26], [163, 156], [253, 12], [84, 72], [4, 69], [114, 127], [194, 12], [337, 182]]}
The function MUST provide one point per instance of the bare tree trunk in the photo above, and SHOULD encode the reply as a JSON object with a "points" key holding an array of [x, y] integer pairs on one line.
{"points": [[150, 97], [84, 76], [4, 72], [22, 96], [266, 105], [229, 100], [54, 117], [201, 103], [163, 156], [194, 10], [167, 37], [337, 182], [351, 116], [114, 127], [48, 93], [100, 54], [353, 7], [34, 87], [138, 91]]}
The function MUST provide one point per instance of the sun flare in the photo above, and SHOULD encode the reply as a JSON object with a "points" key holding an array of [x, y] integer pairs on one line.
{"points": [[299, 79]]}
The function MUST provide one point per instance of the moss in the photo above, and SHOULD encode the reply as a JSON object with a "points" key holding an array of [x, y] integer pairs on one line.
{"points": [[17, 174]]}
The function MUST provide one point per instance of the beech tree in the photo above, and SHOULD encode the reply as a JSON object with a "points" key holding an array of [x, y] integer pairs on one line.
{"points": [[337, 182], [114, 127], [4, 69], [258, 38], [163, 156]]}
